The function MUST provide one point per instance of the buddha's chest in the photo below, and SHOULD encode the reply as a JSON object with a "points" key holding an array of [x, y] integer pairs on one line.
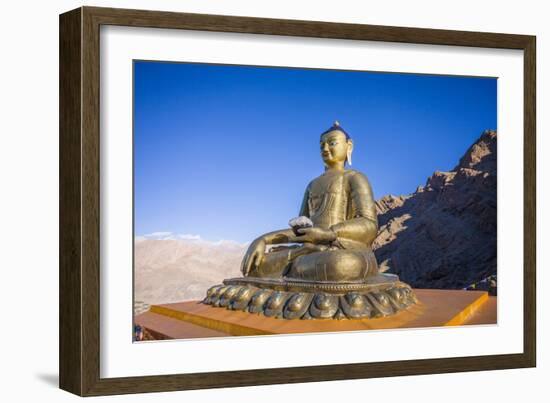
{"points": [[328, 199]]}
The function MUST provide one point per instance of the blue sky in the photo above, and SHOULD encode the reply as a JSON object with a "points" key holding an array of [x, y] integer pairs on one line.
{"points": [[225, 152]]}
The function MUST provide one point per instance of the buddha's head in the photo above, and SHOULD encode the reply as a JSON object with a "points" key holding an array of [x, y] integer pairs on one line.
{"points": [[336, 146]]}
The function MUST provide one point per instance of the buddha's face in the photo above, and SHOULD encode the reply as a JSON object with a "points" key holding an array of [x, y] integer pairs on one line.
{"points": [[335, 147]]}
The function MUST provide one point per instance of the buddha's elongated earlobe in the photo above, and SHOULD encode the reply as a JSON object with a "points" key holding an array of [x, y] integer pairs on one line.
{"points": [[350, 150]]}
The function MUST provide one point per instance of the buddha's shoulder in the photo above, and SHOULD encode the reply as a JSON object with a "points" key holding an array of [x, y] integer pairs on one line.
{"points": [[353, 175], [358, 181]]}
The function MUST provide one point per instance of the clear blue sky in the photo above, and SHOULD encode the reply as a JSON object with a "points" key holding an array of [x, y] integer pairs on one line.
{"points": [[226, 152]]}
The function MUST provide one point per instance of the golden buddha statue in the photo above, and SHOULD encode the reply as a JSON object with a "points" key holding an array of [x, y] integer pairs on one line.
{"points": [[327, 268], [341, 207]]}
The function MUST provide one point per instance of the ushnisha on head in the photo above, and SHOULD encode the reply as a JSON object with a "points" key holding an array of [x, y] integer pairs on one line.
{"points": [[336, 147]]}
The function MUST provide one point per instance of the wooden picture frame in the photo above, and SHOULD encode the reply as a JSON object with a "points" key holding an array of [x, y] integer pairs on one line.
{"points": [[80, 199]]}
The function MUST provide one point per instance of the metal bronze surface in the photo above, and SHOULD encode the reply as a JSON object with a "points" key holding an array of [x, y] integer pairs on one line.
{"points": [[323, 267], [378, 296]]}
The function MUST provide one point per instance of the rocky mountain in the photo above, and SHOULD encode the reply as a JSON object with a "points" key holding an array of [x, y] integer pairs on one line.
{"points": [[444, 234], [178, 268]]}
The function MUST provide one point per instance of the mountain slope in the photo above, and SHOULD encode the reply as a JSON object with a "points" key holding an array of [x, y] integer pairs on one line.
{"points": [[444, 234], [174, 270]]}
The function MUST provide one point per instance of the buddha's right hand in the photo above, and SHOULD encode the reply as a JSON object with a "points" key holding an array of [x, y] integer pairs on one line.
{"points": [[253, 256]]}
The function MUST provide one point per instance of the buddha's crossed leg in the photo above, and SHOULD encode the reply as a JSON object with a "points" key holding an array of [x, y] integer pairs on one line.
{"points": [[333, 265]]}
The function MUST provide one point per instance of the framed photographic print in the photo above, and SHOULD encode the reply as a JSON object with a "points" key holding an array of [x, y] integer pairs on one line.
{"points": [[249, 201]]}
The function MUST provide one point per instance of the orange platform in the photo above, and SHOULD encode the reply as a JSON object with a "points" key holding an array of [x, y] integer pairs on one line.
{"points": [[191, 319]]}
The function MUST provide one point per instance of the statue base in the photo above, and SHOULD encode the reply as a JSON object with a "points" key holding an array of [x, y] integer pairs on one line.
{"points": [[378, 296], [435, 308]]}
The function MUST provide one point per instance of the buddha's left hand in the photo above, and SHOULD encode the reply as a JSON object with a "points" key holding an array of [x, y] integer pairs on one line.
{"points": [[315, 235]]}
